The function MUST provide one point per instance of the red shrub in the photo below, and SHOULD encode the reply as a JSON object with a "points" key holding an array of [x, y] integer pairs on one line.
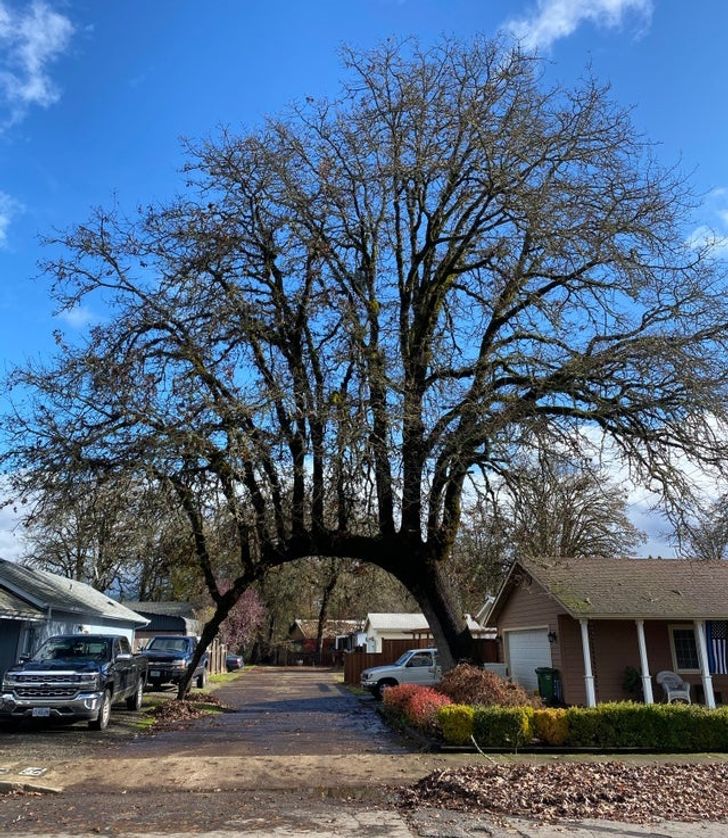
{"points": [[468, 684], [396, 698], [421, 709]]}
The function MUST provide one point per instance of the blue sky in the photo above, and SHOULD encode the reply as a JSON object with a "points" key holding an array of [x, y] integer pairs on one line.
{"points": [[95, 96]]}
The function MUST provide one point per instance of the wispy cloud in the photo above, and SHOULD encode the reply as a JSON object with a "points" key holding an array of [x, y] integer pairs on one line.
{"points": [[714, 234], [9, 208], [32, 37], [77, 317], [551, 20]]}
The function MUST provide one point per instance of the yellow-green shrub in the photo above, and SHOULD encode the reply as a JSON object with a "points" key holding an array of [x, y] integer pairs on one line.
{"points": [[551, 726], [456, 723], [503, 727]]}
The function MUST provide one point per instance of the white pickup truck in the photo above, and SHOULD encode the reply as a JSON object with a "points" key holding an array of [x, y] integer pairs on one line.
{"points": [[415, 666]]}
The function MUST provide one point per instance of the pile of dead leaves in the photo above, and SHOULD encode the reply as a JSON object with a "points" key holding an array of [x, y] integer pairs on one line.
{"points": [[176, 712], [607, 790]]}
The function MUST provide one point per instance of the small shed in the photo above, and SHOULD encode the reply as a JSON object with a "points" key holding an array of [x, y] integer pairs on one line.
{"points": [[166, 618], [35, 604]]}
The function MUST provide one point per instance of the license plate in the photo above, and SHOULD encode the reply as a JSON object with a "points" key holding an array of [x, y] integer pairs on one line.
{"points": [[154, 673], [41, 712]]}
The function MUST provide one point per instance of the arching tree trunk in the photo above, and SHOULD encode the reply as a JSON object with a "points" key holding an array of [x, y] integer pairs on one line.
{"points": [[427, 583]]}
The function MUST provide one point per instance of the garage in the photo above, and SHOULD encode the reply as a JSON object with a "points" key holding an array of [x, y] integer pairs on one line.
{"points": [[528, 649]]}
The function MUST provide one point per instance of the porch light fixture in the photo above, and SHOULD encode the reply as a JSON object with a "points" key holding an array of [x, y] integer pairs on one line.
{"points": [[552, 637]]}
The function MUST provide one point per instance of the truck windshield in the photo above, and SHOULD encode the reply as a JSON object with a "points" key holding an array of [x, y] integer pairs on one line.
{"points": [[169, 644], [402, 659], [74, 648]]}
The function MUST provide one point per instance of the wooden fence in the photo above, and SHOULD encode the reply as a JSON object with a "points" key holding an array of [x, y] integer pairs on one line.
{"points": [[216, 654], [486, 651]]}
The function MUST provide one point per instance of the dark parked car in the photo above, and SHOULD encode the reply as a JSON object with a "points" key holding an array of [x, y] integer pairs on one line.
{"points": [[168, 657], [72, 677], [233, 662]]}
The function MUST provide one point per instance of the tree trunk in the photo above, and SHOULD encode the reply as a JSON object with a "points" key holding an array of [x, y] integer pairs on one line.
{"points": [[209, 633], [427, 583], [323, 614]]}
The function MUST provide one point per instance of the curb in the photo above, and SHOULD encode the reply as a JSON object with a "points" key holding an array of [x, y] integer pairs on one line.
{"points": [[8, 786]]}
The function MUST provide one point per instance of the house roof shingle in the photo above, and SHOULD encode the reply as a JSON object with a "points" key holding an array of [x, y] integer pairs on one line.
{"points": [[48, 590], [631, 588], [15, 608]]}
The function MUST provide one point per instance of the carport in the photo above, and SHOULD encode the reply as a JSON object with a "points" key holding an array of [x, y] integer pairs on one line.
{"points": [[16, 619]]}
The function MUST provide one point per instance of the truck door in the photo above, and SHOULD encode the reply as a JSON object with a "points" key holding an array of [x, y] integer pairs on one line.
{"points": [[421, 669], [122, 670]]}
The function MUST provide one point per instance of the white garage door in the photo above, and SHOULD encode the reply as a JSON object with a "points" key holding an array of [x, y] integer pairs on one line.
{"points": [[528, 650]]}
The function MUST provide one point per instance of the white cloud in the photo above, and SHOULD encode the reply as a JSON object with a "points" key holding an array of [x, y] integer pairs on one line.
{"points": [[714, 234], [31, 38], [77, 317], [9, 208], [554, 19]]}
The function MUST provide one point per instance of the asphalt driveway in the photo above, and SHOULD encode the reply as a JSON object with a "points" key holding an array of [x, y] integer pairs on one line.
{"points": [[277, 712]]}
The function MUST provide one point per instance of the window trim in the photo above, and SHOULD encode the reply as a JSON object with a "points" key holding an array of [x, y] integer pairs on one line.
{"points": [[671, 631]]}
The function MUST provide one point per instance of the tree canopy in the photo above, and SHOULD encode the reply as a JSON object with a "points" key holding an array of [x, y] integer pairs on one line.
{"points": [[361, 311]]}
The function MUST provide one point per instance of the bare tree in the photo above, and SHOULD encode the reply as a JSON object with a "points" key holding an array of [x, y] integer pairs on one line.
{"points": [[354, 309], [562, 510], [703, 534]]}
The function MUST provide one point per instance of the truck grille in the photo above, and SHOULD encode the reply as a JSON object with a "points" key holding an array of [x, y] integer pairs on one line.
{"points": [[46, 691], [65, 678]]}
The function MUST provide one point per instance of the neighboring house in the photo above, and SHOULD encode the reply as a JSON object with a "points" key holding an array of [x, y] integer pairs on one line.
{"points": [[336, 634], [401, 626], [593, 618], [165, 618], [35, 604]]}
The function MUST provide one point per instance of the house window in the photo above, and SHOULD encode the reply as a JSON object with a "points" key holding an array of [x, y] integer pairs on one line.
{"points": [[684, 649]]}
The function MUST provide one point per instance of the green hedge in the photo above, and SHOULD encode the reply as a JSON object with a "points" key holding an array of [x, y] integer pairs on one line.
{"points": [[614, 725], [503, 727]]}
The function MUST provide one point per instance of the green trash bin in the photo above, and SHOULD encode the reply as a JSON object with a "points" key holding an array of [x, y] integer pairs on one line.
{"points": [[549, 684]]}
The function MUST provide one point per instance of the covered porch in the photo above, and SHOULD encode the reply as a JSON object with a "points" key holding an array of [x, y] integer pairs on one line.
{"points": [[596, 655]]}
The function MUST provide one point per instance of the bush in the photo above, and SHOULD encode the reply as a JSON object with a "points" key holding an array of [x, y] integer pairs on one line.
{"points": [[503, 727], [658, 726], [414, 704], [395, 698], [422, 708], [468, 684], [551, 726], [456, 723]]}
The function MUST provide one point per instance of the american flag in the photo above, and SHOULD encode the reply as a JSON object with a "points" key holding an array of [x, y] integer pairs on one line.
{"points": [[717, 635]]}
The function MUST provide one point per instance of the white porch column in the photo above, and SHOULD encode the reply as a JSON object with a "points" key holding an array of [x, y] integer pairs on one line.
{"points": [[704, 668], [591, 697], [644, 665]]}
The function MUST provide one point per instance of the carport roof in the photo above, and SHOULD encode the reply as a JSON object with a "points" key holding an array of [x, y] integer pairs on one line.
{"points": [[14, 608], [48, 590]]}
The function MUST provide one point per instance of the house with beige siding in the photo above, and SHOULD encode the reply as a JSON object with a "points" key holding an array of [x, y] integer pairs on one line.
{"points": [[591, 619]]}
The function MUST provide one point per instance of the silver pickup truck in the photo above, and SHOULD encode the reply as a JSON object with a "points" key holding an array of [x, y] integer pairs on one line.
{"points": [[415, 666], [74, 677]]}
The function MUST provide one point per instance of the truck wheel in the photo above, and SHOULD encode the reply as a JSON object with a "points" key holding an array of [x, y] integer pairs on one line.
{"points": [[383, 685], [102, 720], [134, 702], [202, 680]]}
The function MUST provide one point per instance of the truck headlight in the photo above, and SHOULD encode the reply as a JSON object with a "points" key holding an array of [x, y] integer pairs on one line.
{"points": [[180, 664], [87, 678]]}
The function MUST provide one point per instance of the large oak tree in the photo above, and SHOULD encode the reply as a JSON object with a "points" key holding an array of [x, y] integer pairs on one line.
{"points": [[356, 309]]}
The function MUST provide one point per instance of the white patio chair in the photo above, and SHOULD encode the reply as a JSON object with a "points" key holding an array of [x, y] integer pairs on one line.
{"points": [[675, 688]]}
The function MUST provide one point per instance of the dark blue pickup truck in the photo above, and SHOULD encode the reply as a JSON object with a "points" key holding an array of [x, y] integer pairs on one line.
{"points": [[72, 677], [168, 657]]}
